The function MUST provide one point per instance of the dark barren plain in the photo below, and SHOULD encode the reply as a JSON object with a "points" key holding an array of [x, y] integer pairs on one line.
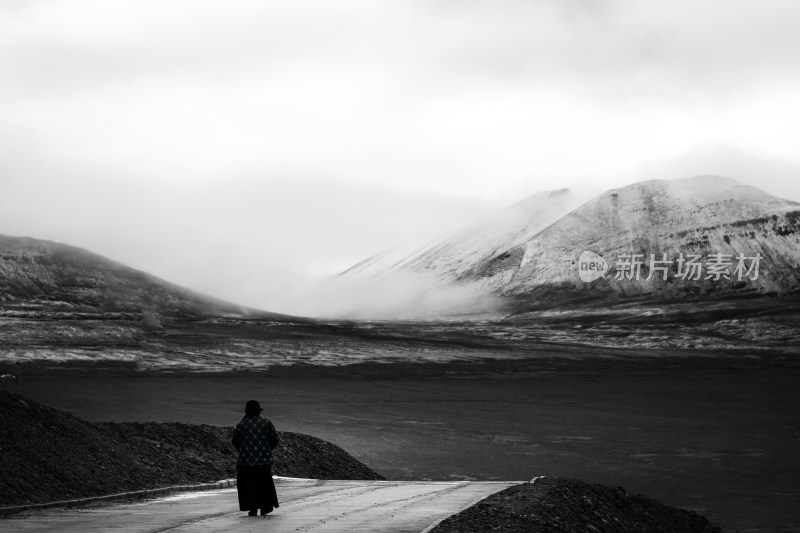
{"points": [[694, 405]]}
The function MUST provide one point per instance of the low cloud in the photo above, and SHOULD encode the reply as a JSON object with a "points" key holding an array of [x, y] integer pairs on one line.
{"points": [[405, 295]]}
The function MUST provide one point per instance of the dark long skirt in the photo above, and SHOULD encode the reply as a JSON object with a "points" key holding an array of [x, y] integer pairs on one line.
{"points": [[256, 488]]}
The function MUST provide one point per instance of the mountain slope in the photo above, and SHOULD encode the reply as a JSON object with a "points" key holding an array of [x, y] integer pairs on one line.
{"points": [[450, 257], [38, 278]]}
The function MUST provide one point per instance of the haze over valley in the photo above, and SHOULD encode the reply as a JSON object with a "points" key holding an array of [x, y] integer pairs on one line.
{"points": [[495, 291]]}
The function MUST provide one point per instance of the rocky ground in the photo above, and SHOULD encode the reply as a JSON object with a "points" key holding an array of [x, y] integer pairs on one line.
{"points": [[764, 328], [50, 455], [562, 505]]}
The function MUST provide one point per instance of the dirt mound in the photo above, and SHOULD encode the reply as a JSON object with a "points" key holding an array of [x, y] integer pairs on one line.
{"points": [[562, 505], [49, 455]]}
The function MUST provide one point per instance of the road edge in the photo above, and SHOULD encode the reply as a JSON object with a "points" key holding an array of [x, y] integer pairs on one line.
{"points": [[130, 495], [440, 520]]}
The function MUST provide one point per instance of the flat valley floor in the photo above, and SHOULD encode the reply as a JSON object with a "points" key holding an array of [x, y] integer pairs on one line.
{"points": [[719, 435]]}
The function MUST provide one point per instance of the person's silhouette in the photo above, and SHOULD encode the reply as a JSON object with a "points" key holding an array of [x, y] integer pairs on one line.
{"points": [[255, 438]]}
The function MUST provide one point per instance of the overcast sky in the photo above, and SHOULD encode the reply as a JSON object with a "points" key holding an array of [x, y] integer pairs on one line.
{"points": [[249, 148]]}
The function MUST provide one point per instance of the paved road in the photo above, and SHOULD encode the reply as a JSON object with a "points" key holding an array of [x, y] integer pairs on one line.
{"points": [[306, 505]]}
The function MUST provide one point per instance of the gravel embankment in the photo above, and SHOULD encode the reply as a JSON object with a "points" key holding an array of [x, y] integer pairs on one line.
{"points": [[563, 505], [49, 455]]}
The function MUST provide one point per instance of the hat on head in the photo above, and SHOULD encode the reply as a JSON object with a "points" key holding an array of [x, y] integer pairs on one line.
{"points": [[252, 408]]}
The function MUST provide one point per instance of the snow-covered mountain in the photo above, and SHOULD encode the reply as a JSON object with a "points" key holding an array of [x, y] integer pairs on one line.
{"points": [[667, 238], [698, 236]]}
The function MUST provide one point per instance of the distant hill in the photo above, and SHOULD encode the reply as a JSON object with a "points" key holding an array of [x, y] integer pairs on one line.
{"points": [[720, 238], [46, 279]]}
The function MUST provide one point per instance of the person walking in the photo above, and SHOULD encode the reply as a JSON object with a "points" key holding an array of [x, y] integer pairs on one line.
{"points": [[255, 438]]}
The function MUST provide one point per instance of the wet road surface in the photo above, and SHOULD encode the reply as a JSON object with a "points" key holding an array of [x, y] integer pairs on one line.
{"points": [[306, 505]]}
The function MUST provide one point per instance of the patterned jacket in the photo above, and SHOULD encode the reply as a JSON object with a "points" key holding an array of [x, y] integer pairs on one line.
{"points": [[254, 438]]}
